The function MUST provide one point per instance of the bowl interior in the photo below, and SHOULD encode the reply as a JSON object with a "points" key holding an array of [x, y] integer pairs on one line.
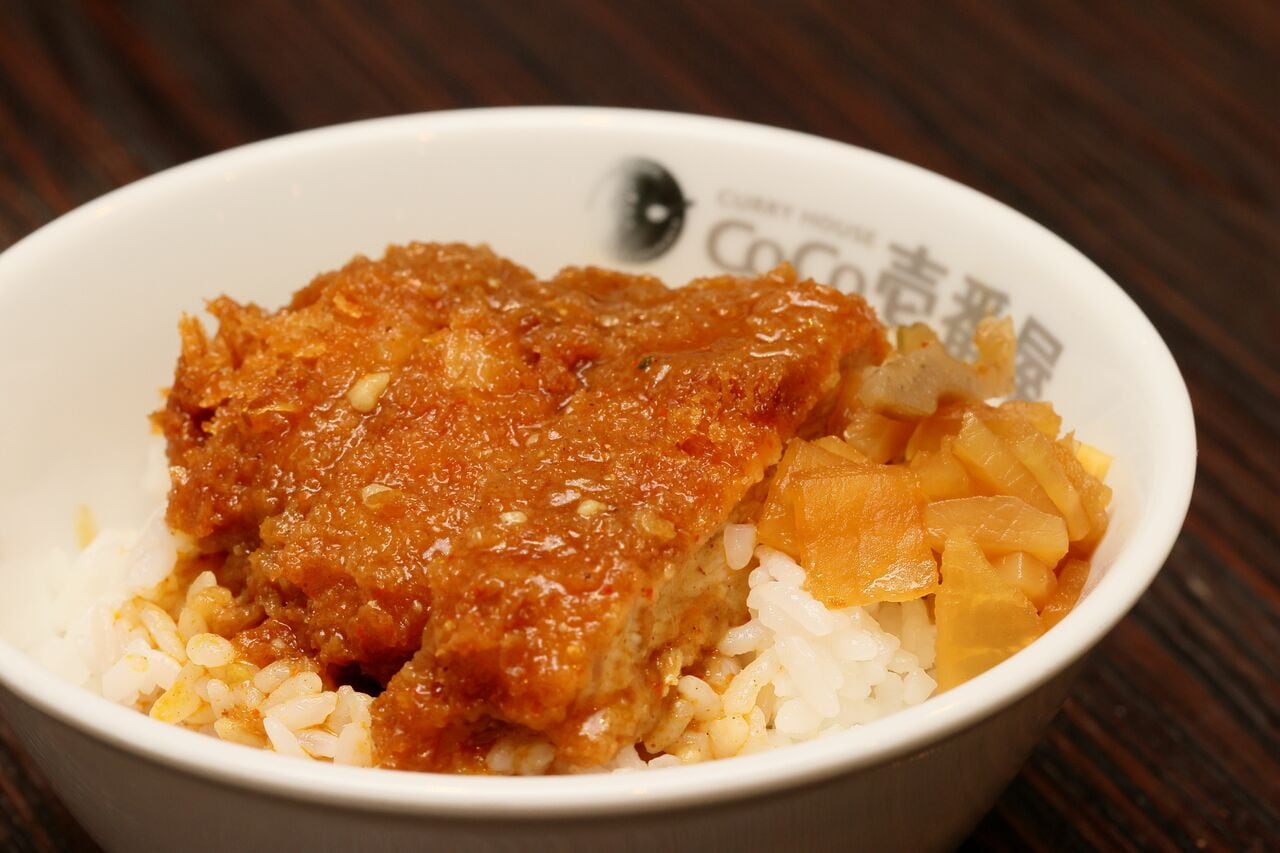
{"points": [[88, 305]]}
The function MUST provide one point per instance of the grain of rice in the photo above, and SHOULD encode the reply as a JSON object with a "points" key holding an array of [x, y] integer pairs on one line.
{"points": [[918, 632], [746, 685], [739, 544], [303, 711], [728, 735], [534, 759], [854, 690], [772, 616], [236, 732], [888, 693], [163, 630], [781, 567], [123, 679], [807, 611], [354, 746], [664, 761], [705, 700], [917, 686], [210, 650], [720, 670], [501, 757], [282, 740], [872, 673], [626, 760], [801, 661], [757, 723], [692, 747], [856, 645], [163, 670], [744, 639], [202, 716], [303, 684], [202, 581], [670, 726], [219, 696], [180, 701], [903, 662], [273, 675], [209, 600], [797, 718], [352, 706], [250, 697], [191, 623], [238, 671], [318, 743]]}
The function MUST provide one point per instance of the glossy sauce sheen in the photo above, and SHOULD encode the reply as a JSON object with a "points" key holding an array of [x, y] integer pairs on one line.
{"points": [[490, 494]]}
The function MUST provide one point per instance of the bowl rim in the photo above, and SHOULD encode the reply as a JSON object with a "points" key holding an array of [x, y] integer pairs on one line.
{"points": [[446, 795]]}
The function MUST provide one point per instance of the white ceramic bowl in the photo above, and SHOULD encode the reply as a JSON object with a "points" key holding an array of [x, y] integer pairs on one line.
{"points": [[88, 307]]}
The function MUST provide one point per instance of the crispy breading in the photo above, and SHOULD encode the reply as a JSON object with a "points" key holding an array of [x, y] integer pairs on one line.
{"points": [[495, 495]]}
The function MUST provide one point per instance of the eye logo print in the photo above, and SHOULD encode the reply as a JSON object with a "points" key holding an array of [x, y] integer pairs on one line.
{"points": [[644, 208]]}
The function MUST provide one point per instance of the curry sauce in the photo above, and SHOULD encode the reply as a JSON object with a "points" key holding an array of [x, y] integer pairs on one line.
{"points": [[493, 496]]}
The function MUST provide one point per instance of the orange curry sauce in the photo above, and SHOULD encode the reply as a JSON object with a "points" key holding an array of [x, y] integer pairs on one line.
{"points": [[494, 496]]}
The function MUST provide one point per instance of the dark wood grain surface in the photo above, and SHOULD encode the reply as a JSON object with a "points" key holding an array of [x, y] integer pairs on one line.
{"points": [[1146, 134]]}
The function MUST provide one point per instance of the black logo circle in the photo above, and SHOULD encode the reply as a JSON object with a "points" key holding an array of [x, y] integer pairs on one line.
{"points": [[647, 207]]}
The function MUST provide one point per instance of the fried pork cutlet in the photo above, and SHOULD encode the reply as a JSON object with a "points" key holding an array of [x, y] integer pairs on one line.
{"points": [[495, 496]]}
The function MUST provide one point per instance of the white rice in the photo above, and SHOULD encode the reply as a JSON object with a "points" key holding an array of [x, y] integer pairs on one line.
{"points": [[141, 641], [795, 671]]}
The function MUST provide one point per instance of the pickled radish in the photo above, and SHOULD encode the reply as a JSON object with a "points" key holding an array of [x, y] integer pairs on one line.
{"points": [[1071, 581], [912, 383], [1037, 455], [999, 524], [941, 475], [919, 468], [1093, 460], [863, 537], [930, 432], [776, 525], [879, 438], [1037, 413], [916, 336], [993, 464], [875, 436], [1035, 579], [840, 447], [996, 344], [1094, 495], [982, 618]]}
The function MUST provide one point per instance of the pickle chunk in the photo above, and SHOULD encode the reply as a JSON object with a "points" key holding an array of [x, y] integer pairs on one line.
{"points": [[864, 537], [982, 618], [999, 524]]}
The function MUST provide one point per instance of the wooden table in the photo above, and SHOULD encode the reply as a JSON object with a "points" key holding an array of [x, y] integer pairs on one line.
{"points": [[1148, 135]]}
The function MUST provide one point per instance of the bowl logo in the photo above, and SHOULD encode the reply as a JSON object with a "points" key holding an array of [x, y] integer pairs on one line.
{"points": [[644, 208]]}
